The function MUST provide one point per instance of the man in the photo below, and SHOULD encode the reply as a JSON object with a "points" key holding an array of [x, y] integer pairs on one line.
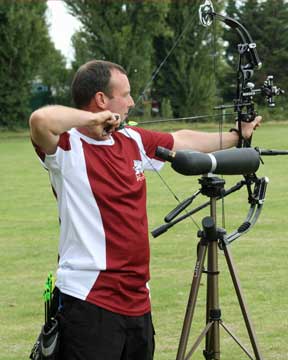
{"points": [[97, 174]]}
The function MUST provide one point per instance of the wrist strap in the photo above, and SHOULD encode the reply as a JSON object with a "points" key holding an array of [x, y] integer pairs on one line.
{"points": [[235, 130], [239, 136]]}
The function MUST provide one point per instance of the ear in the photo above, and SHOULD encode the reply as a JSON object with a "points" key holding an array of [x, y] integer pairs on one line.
{"points": [[101, 100]]}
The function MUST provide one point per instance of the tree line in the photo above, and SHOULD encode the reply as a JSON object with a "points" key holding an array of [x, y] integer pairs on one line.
{"points": [[199, 71]]}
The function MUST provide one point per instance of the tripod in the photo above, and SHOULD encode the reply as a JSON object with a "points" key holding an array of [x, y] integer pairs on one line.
{"points": [[210, 238]]}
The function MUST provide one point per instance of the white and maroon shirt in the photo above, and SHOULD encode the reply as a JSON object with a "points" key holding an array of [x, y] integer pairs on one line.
{"points": [[101, 194]]}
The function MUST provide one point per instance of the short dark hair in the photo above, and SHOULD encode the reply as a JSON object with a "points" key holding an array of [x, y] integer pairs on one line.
{"points": [[90, 78]]}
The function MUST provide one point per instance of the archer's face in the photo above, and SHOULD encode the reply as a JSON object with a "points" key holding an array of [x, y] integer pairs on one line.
{"points": [[120, 101]]}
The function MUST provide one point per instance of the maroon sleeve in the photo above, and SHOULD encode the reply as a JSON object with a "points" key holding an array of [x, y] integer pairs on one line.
{"points": [[64, 143], [152, 139]]}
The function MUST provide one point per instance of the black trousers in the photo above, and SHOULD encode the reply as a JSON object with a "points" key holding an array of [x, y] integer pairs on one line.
{"points": [[89, 332]]}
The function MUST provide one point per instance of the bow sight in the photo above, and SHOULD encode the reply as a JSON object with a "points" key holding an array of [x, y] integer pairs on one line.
{"points": [[248, 62], [268, 89]]}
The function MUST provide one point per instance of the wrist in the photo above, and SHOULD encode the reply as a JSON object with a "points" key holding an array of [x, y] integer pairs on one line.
{"points": [[238, 136], [235, 131]]}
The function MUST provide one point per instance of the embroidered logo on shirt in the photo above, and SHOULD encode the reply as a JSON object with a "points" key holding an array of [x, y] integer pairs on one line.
{"points": [[138, 168]]}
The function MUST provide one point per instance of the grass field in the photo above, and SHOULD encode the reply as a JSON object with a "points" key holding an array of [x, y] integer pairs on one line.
{"points": [[28, 251]]}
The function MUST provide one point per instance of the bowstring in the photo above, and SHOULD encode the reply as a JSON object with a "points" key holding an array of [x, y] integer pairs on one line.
{"points": [[157, 70], [165, 183]]}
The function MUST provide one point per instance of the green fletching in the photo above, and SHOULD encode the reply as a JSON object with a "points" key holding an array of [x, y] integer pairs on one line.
{"points": [[49, 287], [47, 294], [132, 123]]}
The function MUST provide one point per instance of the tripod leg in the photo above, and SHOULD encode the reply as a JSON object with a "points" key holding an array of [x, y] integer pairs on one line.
{"points": [[198, 340], [192, 300], [242, 303], [236, 340]]}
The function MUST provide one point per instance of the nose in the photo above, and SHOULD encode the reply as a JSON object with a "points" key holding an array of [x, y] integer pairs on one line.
{"points": [[131, 102]]}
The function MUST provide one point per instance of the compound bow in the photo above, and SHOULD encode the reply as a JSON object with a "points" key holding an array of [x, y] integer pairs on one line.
{"points": [[245, 110]]}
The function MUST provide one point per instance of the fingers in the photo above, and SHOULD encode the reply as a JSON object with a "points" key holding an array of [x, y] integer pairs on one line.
{"points": [[257, 122], [249, 127], [111, 123], [103, 124], [107, 116], [116, 116]]}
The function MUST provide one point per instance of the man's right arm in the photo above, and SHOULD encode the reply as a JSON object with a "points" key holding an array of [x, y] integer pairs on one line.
{"points": [[48, 123]]}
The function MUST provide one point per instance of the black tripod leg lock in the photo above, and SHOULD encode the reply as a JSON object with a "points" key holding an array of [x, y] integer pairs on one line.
{"points": [[215, 314], [210, 233], [209, 355], [209, 229]]}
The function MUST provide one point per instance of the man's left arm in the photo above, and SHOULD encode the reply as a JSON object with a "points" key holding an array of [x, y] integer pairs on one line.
{"points": [[208, 142]]}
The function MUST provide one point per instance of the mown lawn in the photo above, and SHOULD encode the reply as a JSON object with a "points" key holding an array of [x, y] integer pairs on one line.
{"points": [[28, 250]]}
